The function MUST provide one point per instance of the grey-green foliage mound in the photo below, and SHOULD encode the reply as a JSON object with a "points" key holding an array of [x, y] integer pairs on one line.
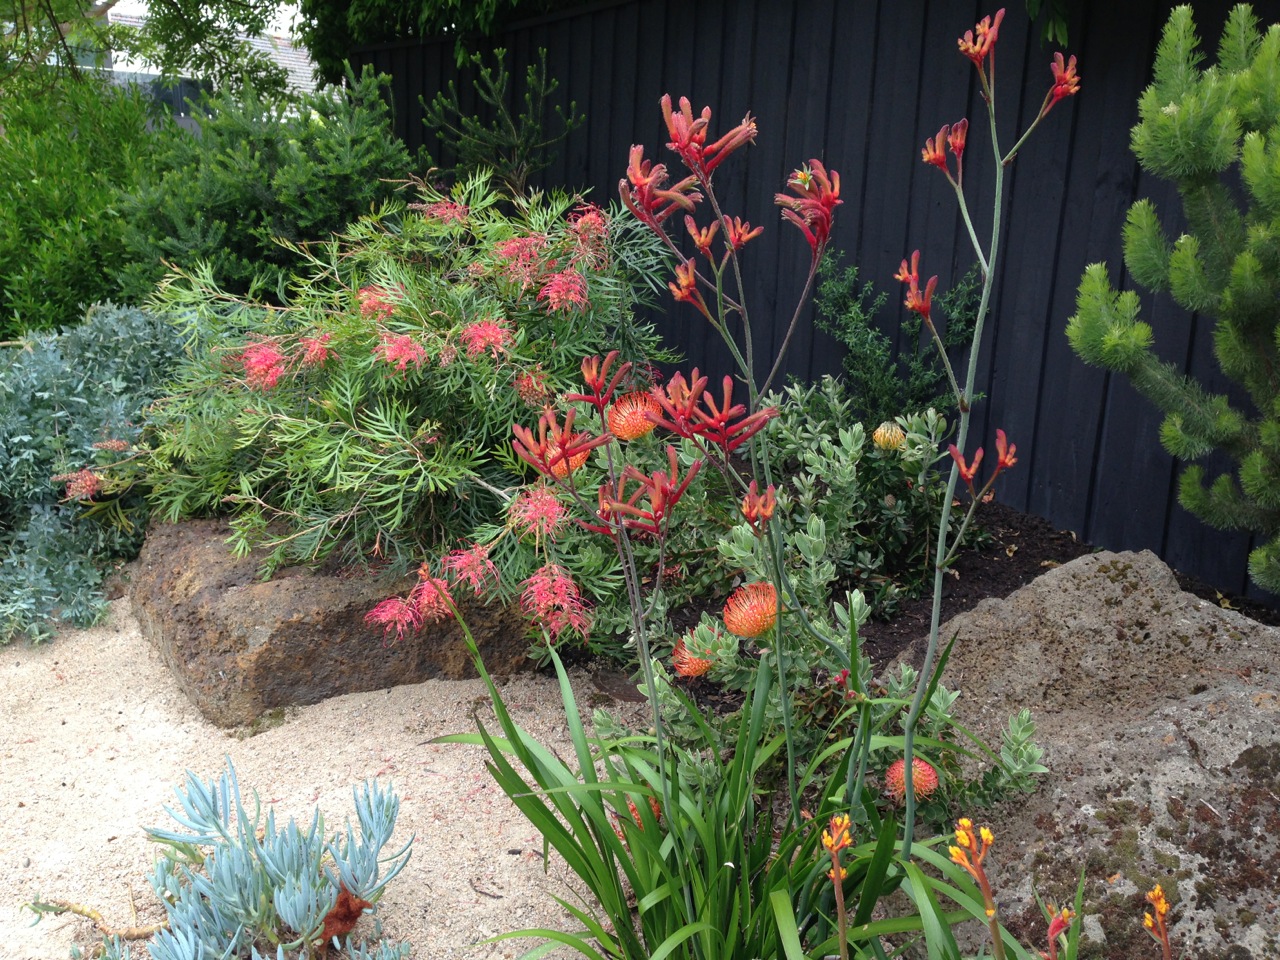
{"points": [[71, 402]]}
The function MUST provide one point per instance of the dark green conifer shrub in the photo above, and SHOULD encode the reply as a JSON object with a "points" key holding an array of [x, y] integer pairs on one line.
{"points": [[1215, 133], [262, 170]]}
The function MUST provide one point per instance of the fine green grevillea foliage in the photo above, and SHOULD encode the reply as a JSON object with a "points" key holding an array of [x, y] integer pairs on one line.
{"points": [[373, 412], [71, 404], [1215, 132]]}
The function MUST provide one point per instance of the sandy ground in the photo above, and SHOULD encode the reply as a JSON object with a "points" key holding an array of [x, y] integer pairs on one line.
{"points": [[95, 734]]}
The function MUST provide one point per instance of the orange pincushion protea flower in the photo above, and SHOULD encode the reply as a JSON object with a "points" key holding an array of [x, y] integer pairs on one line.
{"points": [[924, 779], [752, 609], [562, 468], [627, 416], [688, 664]]}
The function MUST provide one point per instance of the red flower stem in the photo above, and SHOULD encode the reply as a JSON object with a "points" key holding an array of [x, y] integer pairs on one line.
{"points": [[795, 317], [962, 434]]}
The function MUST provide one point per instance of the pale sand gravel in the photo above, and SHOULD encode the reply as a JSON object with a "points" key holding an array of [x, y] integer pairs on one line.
{"points": [[95, 734]]}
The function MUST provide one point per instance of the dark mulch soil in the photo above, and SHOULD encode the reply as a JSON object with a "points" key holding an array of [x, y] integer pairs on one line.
{"points": [[1018, 548]]}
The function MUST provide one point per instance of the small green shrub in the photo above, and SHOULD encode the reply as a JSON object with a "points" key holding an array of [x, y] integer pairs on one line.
{"points": [[881, 385], [66, 155], [232, 882], [70, 405], [514, 147], [372, 412], [259, 171]]}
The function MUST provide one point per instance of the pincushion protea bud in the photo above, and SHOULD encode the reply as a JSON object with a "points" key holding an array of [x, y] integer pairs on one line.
{"points": [[628, 417], [889, 436], [752, 609], [688, 664], [924, 779]]}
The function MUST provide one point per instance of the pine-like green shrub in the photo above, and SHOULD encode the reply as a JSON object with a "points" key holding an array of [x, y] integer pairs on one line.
{"points": [[884, 383], [70, 404], [1215, 133], [66, 154], [373, 411], [261, 170]]}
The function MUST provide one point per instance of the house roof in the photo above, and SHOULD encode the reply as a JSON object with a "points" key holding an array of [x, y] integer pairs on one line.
{"points": [[280, 48]]}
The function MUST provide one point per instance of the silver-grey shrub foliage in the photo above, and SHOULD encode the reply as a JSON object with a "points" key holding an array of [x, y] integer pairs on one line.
{"points": [[60, 395], [235, 885]]}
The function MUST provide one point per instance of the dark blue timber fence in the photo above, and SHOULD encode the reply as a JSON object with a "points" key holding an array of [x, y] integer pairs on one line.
{"points": [[860, 84]]}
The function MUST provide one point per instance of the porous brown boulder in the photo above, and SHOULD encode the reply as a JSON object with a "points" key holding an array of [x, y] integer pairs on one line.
{"points": [[1160, 718], [241, 646]]}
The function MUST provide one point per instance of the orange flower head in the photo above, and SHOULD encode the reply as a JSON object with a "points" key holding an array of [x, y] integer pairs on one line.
{"points": [[688, 664], [924, 779], [562, 466], [751, 610], [935, 149], [956, 138], [629, 416], [758, 507], [1066, 83], [977, 48], [837, 837]]}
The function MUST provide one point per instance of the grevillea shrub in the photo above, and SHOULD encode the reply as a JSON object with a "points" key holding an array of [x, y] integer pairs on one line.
{"points": [[372, 411]]}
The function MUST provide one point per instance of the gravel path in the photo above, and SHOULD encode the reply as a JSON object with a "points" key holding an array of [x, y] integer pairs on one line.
{"points": [[95, 734]]}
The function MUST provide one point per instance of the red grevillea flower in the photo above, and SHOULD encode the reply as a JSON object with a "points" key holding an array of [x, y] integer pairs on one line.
{"points": [[687, 664], [553, 601], [264, 364], [81, 485], [689, 137], [492, 336], [538, 511], [917, 301], [737, 232], [400, 350], [376, 301], [565, 291], [446, 211], [556, 451], [430, 597], [316, 351], [751, 610], [1065, 82], [924, 779], [525, 258], [589, 226], [531, 386], [813, 208], [472, 566], [976, 49], [395, 615], [629, 416], [595, 374], [644, 190]]}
